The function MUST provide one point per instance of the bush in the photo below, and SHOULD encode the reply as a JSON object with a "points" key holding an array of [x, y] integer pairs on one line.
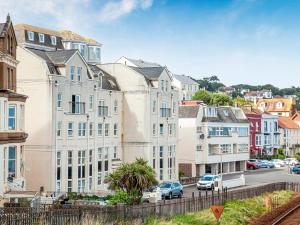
{"points": [[120, 197]]}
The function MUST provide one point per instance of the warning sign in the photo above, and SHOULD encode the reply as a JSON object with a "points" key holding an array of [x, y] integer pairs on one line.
{"points": [[217, 211]]}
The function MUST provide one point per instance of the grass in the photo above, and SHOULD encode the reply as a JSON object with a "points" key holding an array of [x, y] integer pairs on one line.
{"points": [[236, 212]]}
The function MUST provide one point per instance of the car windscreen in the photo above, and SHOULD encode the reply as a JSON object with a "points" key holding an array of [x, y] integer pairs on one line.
{"points": [[165, 185], [207, 178]]}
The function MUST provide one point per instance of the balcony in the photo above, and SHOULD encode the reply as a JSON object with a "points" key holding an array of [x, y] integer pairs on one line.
{"points": [[13, 137], [165, 112], [77, 107], [102, 111]]}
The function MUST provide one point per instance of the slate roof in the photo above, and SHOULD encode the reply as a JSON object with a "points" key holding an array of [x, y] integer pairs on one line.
{"points": [[225, 115], [185, 79], [286, 122], [151, 73], [142, 64], [60, 57], [108, 81], [190, 111], [71, 36], [271, 104]]}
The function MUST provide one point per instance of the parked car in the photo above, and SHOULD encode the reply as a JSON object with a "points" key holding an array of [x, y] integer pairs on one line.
{"points": [[252, 164], [265, 164], [171, 189], [207, 181], [290, 161], [278, 163], [153, 192], [296, 169]]}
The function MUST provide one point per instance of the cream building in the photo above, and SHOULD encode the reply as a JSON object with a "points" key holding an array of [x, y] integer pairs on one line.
{"points": [[75, 111], [150, 114], [289, 135], [210, 135], [186, 86]]}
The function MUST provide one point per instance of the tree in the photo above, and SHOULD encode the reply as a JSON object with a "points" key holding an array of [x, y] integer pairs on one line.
{"points": [[240, 101], [211, 83], [204, 96], [132, 178], [221, 99]]}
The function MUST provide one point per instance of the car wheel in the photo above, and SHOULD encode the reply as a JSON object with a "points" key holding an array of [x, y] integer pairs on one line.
{"points": [[181, 194], [170, 195]]}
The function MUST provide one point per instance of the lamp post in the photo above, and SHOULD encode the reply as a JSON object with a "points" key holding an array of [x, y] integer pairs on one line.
{"points": [[221, 167]]}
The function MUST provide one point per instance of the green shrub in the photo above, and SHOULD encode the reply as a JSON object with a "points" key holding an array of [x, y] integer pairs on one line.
{"points": [[120, 197]]}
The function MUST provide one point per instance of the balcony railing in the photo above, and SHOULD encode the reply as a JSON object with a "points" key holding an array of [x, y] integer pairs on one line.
{"points": [[165, 112], [77, 107], [102, 111]]}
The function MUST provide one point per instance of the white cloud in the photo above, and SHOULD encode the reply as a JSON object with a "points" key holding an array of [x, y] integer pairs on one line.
{"points": [[115, 9]]}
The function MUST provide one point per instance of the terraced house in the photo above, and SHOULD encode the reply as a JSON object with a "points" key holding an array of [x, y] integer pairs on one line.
{"points": [[12, 108], [212, 139], [75, 139], [150, 114]]}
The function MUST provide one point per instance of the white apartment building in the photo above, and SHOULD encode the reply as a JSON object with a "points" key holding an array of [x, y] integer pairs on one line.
{"points": [[186, 86], [289, 135], [210, 135], [75, 114], [150, 115]]}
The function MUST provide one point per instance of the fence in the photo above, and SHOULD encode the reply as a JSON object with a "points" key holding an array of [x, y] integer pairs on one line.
{"points": [[109, 214]]}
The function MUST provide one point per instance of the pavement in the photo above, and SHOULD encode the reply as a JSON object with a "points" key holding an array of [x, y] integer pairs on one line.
{"points": [[255, 178]]}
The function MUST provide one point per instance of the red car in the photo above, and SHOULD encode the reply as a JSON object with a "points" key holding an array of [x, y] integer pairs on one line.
{"points": [[252, 164]]}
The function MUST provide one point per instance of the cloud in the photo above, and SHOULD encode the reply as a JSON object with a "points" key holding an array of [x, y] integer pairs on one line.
{"points": [[115, 9]]}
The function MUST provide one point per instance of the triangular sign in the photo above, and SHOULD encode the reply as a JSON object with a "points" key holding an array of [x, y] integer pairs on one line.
{"points": [[217, 210]]}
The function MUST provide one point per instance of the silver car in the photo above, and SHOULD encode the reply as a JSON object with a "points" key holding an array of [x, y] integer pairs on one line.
{"points": [[207, 182]]}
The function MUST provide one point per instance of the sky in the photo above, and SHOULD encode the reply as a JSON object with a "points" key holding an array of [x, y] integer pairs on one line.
{"points": [[240, 41]]}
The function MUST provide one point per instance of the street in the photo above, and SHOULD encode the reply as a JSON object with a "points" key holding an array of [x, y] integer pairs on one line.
{"points": [[255, 178]]}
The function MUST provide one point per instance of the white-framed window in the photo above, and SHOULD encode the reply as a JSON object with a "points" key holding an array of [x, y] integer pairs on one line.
{"points": [[100, 129], [30, 35], [12, 117], [199, 129], [154, 106], [226, 148], [243, 147], [59, 100], [106, 130], [116, 106], [91, 102], [41, 38], [58, 158], [198, 148], [22, 117], [70, 158], [210, 112], [167, 85], [161, 162], [162, 84], [91, 129], [154, 157], [79, 70], [161, 129], [115, 129], [115, 152], [59, 127], [174, 107], [70, 171], [243, 131], [72, 72], [70, 129], [81, 171], [81, 129], [53, 40], [12, 161], [258, 140], [154, 129], [170, 128]]}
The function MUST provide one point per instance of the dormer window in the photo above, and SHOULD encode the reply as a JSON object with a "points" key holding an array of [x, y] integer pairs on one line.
{"points": [[53, 40], [211, 112], [30, 35], [41, 38]]}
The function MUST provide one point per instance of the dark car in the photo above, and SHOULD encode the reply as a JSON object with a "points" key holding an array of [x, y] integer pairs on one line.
{"points": [[252, 164]]}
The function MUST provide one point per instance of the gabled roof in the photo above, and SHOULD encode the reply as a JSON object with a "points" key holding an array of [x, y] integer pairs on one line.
{"points": [[185, 79], [151, 73], [60, 57], [108, 81], [141, 63], [286, 122], [188, 111], [225, 115]]}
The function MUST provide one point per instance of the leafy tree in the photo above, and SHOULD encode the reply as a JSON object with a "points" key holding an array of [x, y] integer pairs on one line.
{"points": [[204, 96], [240, 101], [221, 99], [211, 83], [132, 178]]}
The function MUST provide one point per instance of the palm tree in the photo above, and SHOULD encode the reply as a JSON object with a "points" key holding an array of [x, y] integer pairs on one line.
{"points": [[132, 178]]}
